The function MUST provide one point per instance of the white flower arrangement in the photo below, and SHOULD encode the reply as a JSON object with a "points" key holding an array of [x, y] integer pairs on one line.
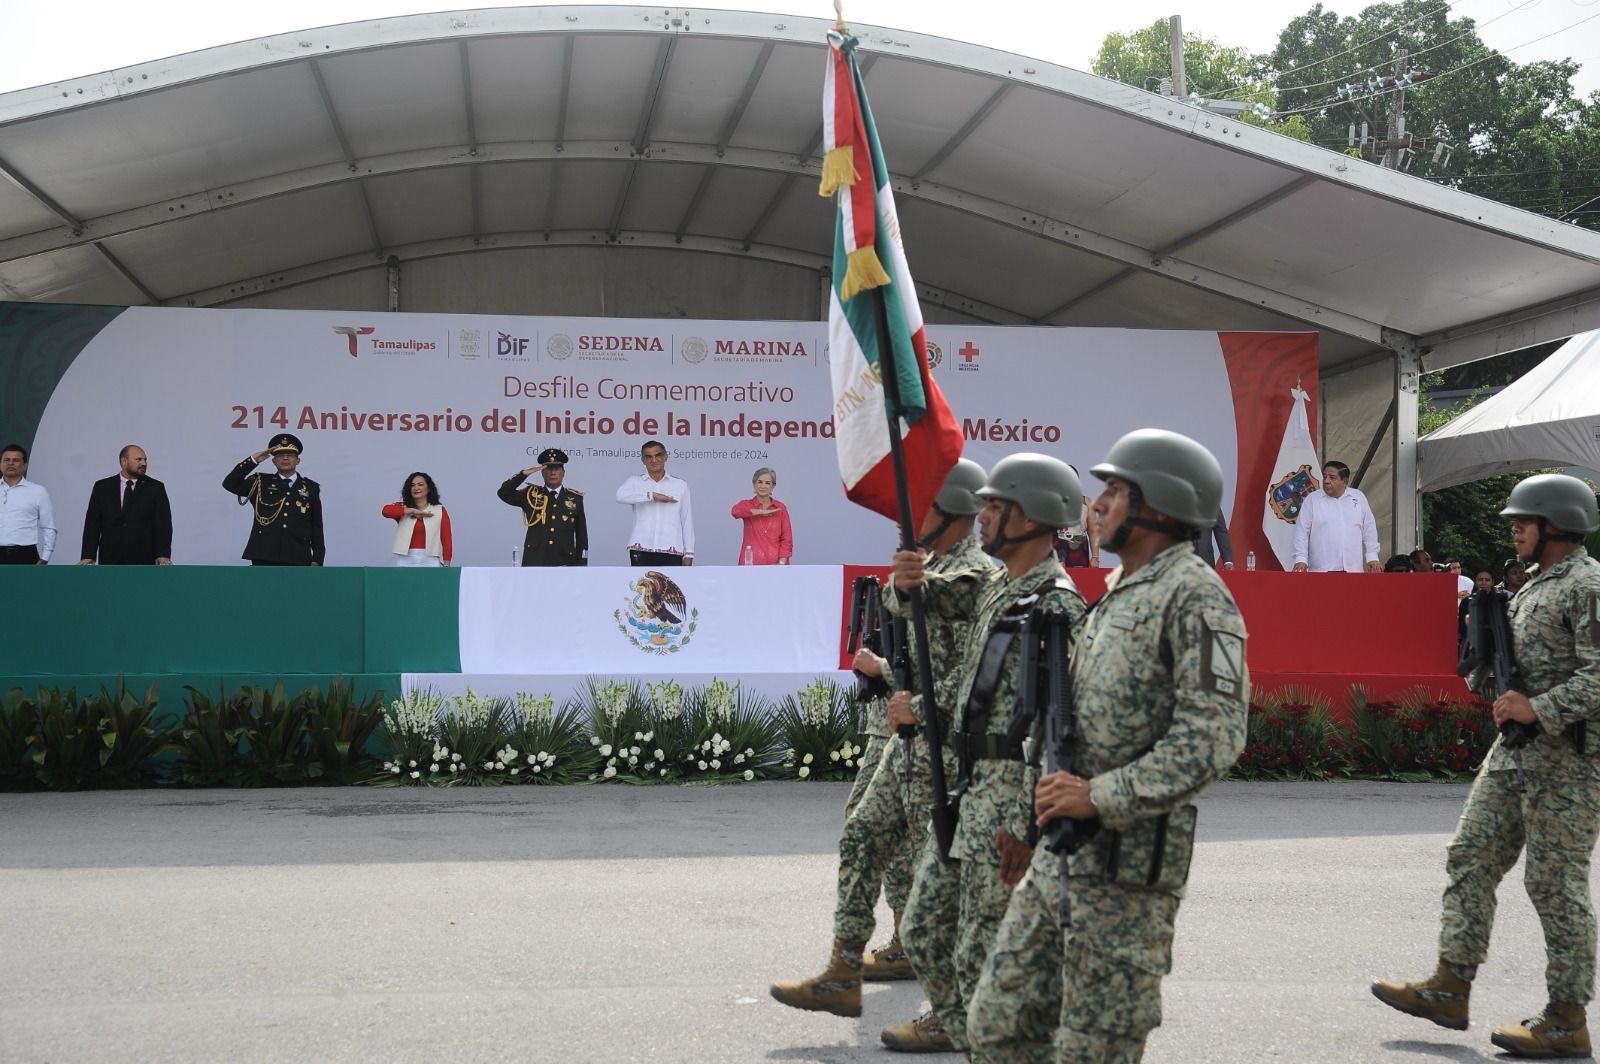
{"points": [[816, 702], [666, 698], [471, 709], [722, 700], [749, 774], [415, 714], [535, 709], [612, 699]]}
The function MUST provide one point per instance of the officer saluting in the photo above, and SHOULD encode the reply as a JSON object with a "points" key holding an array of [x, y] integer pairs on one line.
{"points": [[287, 507], [558, 534]]}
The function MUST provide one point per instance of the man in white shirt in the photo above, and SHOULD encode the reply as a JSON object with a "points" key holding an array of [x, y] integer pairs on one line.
{"points": [[1335, 531], [27, 520], [663, 523]]}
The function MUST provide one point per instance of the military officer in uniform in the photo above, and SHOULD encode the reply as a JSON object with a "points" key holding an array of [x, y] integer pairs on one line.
{"points": [[558, 534], [1553, 811], [1162, 695], [286, 506]]}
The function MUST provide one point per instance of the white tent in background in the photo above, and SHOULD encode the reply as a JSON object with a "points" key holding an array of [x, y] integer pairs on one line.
{"points": [[1548, 417]]}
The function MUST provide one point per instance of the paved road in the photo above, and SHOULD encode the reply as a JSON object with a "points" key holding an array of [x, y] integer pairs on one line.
{"points": [[644, 924]]}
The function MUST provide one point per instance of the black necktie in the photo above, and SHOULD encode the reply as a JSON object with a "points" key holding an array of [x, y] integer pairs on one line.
{"points": [[127, 492]]}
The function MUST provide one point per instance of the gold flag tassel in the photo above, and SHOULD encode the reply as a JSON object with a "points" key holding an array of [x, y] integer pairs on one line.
{"points": [[862, 271], [838, 168]]}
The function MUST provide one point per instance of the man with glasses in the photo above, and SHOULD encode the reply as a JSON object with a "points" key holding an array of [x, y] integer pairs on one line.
{"points": [[1336, 531]]}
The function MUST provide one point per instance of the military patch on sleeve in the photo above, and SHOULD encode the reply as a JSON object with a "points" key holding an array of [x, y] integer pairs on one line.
{"points": [[1222, 665]]}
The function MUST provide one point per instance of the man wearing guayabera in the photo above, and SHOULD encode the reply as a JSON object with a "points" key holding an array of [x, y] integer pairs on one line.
{"points": [[885, 832], [949, 928], [1555, 636], [1161, 693]]}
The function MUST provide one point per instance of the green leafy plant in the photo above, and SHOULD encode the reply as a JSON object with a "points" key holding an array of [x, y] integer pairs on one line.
{"points": [[620, 721], [342, 731], [209, 742], [410, 732], [821, 728], [134, 742], [1419, 736], [18, 716], [67, 749], [1291, 734], [736, 736], [547, 745], [277, 740], [472, 740]]}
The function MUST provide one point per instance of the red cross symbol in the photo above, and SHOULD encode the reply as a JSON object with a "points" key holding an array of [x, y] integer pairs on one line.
{"points": [[968, 352]]}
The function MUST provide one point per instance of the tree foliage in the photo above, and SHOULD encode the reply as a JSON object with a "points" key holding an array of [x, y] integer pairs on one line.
{"points": [[1212, 69], [1464, 521], [1507, 131]]}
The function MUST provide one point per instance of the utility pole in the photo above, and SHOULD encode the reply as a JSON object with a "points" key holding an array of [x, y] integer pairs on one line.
{"points": [[1175, 49], [1397, 114]]}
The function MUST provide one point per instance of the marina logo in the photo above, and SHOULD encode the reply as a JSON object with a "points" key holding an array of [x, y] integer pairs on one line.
{"points": [[350, 332], [693, 350], [655, 616]]}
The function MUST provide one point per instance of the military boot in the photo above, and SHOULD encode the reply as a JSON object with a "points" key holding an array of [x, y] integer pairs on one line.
{"points": [[1442, 998], [1559, 1031], [925, 1034], [889, 962], [836, 990]]}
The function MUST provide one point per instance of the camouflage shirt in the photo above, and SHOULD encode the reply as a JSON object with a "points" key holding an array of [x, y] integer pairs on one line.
{"points": [[952, 586], [1555, 635], [1001, 792], [1160, 687]]}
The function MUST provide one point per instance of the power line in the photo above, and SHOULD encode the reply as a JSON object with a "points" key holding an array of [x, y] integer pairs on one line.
{"points": [[1491, 54]]}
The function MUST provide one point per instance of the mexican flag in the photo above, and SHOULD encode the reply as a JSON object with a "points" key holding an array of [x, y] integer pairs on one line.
{"points": [[874, 307]]}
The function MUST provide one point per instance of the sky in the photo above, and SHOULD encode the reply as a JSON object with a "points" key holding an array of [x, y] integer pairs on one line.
{"points": [[51, 40]]}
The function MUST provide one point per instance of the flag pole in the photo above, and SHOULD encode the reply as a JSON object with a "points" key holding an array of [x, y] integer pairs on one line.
{"points": [[944, 820]]}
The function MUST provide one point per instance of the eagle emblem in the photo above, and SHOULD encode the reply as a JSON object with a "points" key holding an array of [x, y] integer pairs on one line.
{"points": [[656, 616]]}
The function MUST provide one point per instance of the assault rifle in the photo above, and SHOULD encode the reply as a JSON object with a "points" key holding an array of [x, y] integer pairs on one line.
{"points": [[1488, 647], [1045, 722]]}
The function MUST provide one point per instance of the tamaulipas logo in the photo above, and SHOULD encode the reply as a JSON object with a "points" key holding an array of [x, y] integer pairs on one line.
{"points": [[350, 332], [655, 616], [1290, 490]]}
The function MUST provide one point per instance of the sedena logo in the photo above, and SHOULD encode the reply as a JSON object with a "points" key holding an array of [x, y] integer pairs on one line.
{"points": [[350, 332]]}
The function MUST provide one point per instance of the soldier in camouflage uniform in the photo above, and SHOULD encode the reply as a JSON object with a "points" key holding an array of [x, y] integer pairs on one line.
{"points": [[1161, 693], [886, 820], [1555, 634], [1027, 497]]}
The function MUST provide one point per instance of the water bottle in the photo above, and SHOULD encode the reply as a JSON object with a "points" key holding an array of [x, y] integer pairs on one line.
{"points": [[516, 554], [749, 556], [1250, 562]]}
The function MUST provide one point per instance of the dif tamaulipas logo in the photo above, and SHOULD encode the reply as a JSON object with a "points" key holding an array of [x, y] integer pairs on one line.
{"points": [[772, 350], [655, 616], [354, 334], [509, 347]]}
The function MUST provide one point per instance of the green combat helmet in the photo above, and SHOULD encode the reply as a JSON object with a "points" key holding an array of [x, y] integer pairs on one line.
{"points": [[958, 496], [1171, 472], [1567, 503], [1046, 489]]}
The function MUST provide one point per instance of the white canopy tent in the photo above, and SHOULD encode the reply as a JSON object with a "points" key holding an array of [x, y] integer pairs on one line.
{"points": [[1549, 417]]}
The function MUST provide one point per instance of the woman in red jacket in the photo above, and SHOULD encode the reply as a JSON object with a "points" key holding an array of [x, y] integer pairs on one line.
{"points": [[768, 539], [422, 526]]}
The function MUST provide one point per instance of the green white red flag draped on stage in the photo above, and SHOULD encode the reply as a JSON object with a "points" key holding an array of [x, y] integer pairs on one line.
{"points": [[874, 303]]}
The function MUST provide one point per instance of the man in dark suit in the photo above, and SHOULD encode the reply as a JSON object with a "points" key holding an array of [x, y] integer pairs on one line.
{"points": [[129, 520], [1224, 549], [286, 507], [558, 532]]}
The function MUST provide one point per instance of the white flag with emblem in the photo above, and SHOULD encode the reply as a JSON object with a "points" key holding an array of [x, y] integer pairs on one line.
{"points": [[1296, 474]]}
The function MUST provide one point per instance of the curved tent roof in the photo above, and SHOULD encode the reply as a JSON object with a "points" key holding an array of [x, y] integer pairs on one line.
{"points": [[1549, 416], [1029, 193]]}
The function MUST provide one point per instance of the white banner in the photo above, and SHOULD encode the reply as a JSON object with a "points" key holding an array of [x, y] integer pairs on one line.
{"points": [[619, 621], [471, 400], [1296, 474]]}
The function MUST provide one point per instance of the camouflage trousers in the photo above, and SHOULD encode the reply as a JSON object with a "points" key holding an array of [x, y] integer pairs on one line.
{"points": [[1113, 960], [883, 834], [866, 765], [1557, 820], [928, 933], [1017, 1005], [983, 906]]}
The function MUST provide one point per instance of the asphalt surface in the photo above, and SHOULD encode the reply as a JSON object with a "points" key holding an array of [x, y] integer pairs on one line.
{"points": [[619, 923]]}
